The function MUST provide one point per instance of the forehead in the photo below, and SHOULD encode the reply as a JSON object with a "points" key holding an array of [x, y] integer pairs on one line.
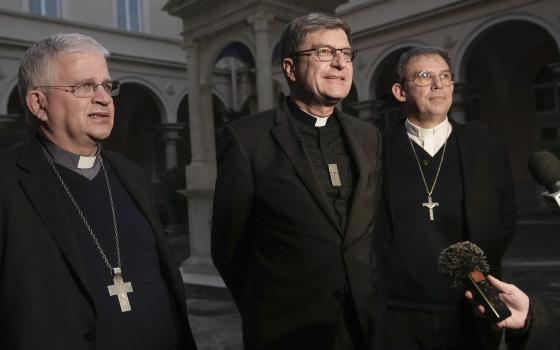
{"points": [[433, 63], [326, 37], [74, 66]]}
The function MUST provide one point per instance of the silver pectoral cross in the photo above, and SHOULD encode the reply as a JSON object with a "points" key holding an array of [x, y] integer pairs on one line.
{"points": [[335, 177], [120, 289], [431, 205]]}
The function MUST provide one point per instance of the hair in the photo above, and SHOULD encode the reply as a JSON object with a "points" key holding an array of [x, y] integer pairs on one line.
{"points": [[294, 33], [34, 67], [416, 52]]}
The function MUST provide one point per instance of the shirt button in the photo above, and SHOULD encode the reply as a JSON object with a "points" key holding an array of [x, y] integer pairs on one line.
{"points": [[336, 294], [89, 337]]}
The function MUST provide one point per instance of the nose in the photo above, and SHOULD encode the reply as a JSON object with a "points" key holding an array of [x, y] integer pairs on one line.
{"points": [[436, 81], [338, 60], [101, 96]]}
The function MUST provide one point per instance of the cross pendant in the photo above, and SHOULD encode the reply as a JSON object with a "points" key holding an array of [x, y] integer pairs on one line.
{"points": [[431, 205], [335, 178], [120, 289]]}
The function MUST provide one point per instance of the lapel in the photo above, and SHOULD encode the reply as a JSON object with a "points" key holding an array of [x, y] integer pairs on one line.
{"points": [[467, 159], [285, 133], [395, 138], [356, 152], [42, 188]]}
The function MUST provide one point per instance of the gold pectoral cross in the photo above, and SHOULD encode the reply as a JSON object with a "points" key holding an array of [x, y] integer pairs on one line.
{"points": [[431, 205], [120, 289]]}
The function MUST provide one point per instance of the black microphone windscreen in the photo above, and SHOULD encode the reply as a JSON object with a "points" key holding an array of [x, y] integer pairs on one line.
{"points": [[545, 169], [460, 259]]}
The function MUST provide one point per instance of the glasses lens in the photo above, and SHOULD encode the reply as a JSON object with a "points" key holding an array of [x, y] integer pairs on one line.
{"points": [[325, 54], [115, 88], [423, 79], [446, 78], [83, 89]]}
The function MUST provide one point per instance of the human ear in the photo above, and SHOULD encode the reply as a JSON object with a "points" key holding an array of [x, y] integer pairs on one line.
{"points": [[36, 102], [289, 68], [399, 92]]}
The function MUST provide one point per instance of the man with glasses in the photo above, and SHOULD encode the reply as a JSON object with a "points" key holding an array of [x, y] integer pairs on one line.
{"points": [[84, 263], [294, 203], [443, 183]]}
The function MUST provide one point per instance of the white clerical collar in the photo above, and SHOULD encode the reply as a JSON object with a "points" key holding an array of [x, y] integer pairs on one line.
{"points": [[432, 139], [319, 121], [85, 166]]}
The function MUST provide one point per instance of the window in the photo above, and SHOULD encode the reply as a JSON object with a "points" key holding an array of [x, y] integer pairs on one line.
{"points": [[45, 7], [546, 89], [129, 15]]}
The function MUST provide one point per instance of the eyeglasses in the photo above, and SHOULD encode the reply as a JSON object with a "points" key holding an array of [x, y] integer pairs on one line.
{"points": [[86, 89], [327, 53], [426, 78]]}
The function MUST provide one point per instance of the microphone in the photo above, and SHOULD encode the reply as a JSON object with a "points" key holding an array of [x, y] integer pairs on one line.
{"points": [[545, 169], [465, 264]]}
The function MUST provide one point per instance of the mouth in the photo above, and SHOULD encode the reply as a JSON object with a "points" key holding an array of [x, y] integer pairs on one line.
{"points": [[96, 115], [334, 77]]}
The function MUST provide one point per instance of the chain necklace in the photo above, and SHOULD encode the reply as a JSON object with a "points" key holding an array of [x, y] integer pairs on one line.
{"points": [[429, 204], [119, 288]]}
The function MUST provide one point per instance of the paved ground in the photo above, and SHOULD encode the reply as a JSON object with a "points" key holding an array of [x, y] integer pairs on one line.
{"points": [[532, 262]]}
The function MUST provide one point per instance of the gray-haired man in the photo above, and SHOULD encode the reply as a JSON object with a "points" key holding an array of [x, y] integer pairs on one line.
{"points": [[83, 259]]}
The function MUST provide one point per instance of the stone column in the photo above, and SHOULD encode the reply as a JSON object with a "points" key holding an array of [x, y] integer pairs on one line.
{"points": [[233, 77], [170, 135], [198, 269], [260, 22]]}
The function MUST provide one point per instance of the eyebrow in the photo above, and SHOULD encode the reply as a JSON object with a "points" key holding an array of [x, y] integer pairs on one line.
{"points": [[91, 80]]}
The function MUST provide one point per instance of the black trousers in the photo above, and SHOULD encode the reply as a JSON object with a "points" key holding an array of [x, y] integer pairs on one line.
{"points": [[405, 329]]}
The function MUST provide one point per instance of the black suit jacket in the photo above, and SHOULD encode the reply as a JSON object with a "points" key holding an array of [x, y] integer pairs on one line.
{"points": [[543, 332], [489, 201], [44, 302], [276, 241]]}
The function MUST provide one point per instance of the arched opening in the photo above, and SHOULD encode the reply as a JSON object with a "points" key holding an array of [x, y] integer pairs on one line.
{"points": [[13, 126], [134, 134], [348, 103], [234, 77], [506, 87], [385, 107]]}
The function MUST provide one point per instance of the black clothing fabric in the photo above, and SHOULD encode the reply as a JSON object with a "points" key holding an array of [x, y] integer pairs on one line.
{"points": [[325, 145], [543, 331], [150, 324], [416, 329], [45, 297], [418, 241], [278, 243]]}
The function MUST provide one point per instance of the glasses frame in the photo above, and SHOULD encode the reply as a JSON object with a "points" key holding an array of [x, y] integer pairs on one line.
{"points": [[115, 88], [309, 52], [433, 77]]}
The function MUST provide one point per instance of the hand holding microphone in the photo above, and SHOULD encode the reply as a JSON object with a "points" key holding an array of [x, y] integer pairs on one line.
{"points": [[466, 265], [515, 300], [545, 169]]}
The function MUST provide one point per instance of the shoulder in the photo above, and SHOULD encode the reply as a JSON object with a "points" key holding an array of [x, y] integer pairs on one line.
{"points": [[477, 137], [120, 162], [8, 156], [255, 123], [362, 128]]}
